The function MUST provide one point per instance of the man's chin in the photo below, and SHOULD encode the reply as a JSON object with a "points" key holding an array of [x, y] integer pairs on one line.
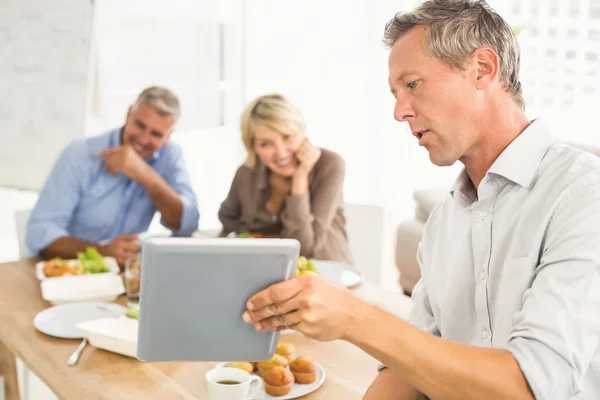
{"points": [[441, 160]]}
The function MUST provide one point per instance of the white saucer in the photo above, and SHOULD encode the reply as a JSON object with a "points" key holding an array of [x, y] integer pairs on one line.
{"points": [[298, 389], [337, 271], [60, 321]]}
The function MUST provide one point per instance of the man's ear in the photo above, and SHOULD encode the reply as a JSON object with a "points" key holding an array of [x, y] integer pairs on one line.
{"points": [[487, 64], [128, 112]]}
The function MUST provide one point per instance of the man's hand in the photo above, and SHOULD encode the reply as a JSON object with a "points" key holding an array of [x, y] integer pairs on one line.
{"points": [[124, 159], [121, 248], [309, 304]]}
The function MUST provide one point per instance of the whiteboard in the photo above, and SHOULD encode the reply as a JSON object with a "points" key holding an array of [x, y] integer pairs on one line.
{"points": [[45, 49]]}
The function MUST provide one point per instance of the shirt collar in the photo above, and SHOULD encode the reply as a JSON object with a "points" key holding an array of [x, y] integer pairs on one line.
{"points": [[521, 159], [463, 191], [518, 162]]}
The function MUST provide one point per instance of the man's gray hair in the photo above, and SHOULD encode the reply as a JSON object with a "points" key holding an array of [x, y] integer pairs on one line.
{"points": [[162, 99], [456, 29]]}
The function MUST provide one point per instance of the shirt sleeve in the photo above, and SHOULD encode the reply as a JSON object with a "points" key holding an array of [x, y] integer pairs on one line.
{"points": [[58, 199], [556, 333], [230, 212], [178, 178], [308, 217]]}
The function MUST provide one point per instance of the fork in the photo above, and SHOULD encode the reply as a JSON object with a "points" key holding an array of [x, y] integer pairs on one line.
{"points": [[110, 310], [72, 361]]}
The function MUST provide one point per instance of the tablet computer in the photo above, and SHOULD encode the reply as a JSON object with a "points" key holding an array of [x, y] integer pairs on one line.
{"points": [[194, 291]]}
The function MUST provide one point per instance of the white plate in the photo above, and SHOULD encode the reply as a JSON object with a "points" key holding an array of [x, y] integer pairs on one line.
{"points": [[336, 271], [109, 262], [60, 321], [118, 335], [298, 389], [82, 288]]}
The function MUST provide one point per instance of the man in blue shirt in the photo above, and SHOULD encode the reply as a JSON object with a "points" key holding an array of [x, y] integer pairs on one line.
{"points": [[104, 190]]}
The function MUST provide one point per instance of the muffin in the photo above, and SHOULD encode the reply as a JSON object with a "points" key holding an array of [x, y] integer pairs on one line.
{"points": [[276, 361], [243, 365], [278, 381], [287, 350], [304, 369]]}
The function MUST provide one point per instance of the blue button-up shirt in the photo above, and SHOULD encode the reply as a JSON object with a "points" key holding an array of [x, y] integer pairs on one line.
{"points": [[80, 199]]}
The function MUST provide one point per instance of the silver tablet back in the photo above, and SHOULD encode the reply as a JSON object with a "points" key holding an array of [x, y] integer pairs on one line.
{"points": [[194, 291]]}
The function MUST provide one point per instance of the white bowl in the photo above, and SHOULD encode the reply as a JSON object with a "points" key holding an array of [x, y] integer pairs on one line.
{"points": [[118, 335], [109, 262], [82, 288]]}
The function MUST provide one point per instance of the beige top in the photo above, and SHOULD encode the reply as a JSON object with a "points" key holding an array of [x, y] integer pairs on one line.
{"points": [[316, 219]]}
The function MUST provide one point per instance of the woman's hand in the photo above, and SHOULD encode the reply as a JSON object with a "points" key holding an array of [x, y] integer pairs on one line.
{"points": [[307, 156]]}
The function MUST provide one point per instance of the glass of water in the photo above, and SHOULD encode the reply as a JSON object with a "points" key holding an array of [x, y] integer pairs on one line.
{"points": [[133, 272]]}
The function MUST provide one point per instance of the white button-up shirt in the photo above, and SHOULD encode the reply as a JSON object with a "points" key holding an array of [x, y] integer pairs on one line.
{"points": [[515, 264]]}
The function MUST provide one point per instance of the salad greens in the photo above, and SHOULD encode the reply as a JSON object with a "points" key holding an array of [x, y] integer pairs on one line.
{"points": [[132, 313], [91, 261]]}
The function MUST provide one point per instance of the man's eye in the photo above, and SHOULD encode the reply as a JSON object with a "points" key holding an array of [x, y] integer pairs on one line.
{"points": [[413, 84]]}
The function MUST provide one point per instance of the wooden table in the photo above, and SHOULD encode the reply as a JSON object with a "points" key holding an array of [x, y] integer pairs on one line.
{"points": [[105, 375]]}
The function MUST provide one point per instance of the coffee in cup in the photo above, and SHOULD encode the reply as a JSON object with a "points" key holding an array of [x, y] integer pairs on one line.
{"points": [[232, 384]]}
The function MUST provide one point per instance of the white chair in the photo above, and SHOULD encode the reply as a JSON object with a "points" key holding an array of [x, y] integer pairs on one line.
{"points": [[21, 219], [366, 226], [30, 386]]}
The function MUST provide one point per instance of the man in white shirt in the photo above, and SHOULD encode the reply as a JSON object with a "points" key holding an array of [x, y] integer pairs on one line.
{"points": [[508, 306]]}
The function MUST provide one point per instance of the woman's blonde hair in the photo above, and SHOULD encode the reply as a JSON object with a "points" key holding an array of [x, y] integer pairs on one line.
{"points": [[271, 111]]}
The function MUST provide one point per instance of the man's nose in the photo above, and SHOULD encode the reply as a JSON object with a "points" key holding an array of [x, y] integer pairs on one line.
{"points": [[403, 110]]}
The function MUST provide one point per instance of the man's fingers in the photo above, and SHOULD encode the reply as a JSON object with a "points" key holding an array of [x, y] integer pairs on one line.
{"points": [[107, 152], [111, 167], [272, 310], [278, 293], [128, 237], [130, 247], [280, 322]]}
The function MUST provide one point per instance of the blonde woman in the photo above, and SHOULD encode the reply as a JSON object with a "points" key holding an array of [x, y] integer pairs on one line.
{"points": [[287, 187]]}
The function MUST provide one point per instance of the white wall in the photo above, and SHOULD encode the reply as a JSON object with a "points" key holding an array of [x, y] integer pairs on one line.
{"points": [[329, 59]]}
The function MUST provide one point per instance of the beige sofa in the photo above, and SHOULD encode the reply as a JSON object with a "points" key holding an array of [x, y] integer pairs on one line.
{"points": [[408, 233]]}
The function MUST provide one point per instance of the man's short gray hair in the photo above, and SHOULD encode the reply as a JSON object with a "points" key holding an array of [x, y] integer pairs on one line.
{"points": [[162, 99], [456, 29]]}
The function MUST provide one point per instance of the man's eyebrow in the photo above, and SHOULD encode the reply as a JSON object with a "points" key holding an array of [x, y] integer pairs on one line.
{"points": [[403, 75]]}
